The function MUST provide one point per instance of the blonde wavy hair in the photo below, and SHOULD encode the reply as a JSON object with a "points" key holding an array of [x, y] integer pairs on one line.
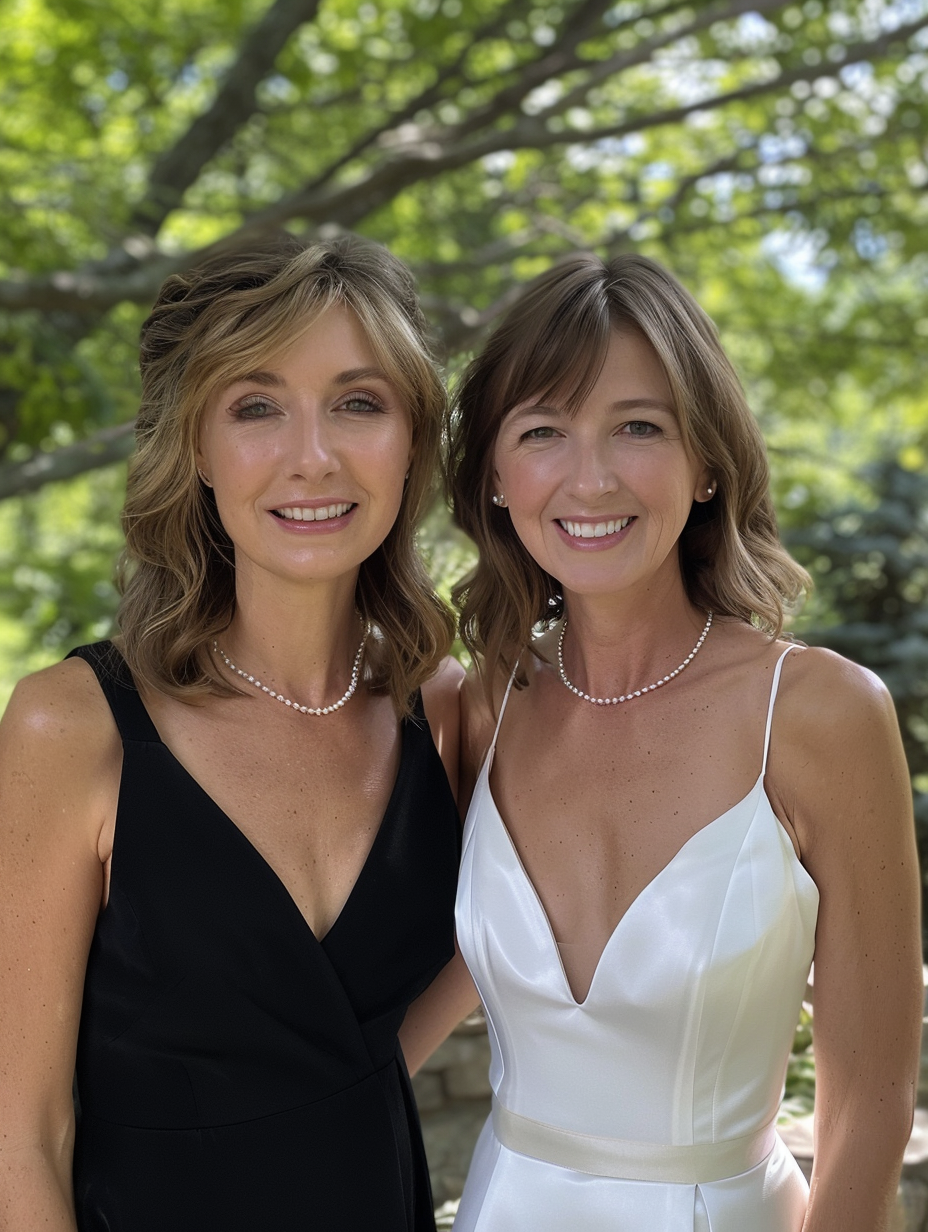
{"points": [[552, 344], [207, 326]]}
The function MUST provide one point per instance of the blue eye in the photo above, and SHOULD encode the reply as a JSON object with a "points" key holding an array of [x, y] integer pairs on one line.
{"points": [[254, 408], [362, 404], [640, 429]]}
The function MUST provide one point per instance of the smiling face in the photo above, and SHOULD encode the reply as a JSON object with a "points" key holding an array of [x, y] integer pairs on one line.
{"points": [[599, 497], [307, 457]]}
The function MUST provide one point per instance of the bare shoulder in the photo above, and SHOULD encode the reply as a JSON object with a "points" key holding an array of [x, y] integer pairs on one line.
{"points": [[478, 714], [478, 722], [825, 697], [443, 687], [60, 752], [836, 758], [820, 692], [59, 707], [441, 700]]}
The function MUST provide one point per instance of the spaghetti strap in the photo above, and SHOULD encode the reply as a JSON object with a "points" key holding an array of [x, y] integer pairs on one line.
{"points": [[773, 697], [502, 710]]}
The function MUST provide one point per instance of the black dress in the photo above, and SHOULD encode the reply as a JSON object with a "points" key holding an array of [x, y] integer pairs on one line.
{"points": [[234, 1074]]}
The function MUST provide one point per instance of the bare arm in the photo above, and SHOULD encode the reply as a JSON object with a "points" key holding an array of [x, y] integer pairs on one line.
{"points": [[452, 995], [843, 782], [432, 1017], [59, 773]]}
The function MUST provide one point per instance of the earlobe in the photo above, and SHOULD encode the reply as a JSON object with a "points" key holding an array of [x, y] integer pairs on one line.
{"points": [[200, 465]]}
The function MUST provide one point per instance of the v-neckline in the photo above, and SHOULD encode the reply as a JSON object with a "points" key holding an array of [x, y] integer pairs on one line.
{"points": [[642, 893], [269, 869]]}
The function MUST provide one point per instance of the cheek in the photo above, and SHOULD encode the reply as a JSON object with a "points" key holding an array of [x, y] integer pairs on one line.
{"points": [[388, 459], [659, 478], [382, 467], [235, 462], [527, 482], [397, 443]]}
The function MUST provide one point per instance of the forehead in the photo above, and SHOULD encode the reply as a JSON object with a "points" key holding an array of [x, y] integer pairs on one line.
{"points": [[332, 346], [632, 365], [323, 338], [627, 374]]}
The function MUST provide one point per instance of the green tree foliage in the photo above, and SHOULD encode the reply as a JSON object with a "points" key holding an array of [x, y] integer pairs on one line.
{"points": [[739, 141], [870, 560], [772, 153]]}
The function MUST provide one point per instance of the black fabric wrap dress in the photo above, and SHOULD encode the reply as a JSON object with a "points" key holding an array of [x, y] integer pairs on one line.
{"points": [[234, 1073]]}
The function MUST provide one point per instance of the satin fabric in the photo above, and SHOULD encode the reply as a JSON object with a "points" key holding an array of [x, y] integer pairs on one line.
{"points": [[683, 1038]]}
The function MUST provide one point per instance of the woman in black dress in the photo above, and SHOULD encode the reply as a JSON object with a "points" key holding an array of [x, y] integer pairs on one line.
{"points": [[228, 844]]}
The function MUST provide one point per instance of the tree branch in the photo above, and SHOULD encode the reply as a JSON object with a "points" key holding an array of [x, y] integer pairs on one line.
{"points": [[446, 76], [235, 101], [460, 330], [621, 61], [91, 291], [526, 132], [105, 447], [577, 27]]}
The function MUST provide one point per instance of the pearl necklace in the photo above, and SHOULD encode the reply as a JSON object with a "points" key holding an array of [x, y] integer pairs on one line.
{"points": [[626, 697], [317, 710]]}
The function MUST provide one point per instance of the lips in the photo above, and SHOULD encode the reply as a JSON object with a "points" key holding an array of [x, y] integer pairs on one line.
{"points": [[593, 530], [297, 513]]}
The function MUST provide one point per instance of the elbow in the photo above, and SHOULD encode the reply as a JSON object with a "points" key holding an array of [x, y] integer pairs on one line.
{"points": [[883, 1118]]}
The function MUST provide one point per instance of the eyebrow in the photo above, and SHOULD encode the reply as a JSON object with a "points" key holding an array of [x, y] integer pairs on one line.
{"points": [[643, 404], [624, 404], [259, 378], [274, 380], [361, 374]]}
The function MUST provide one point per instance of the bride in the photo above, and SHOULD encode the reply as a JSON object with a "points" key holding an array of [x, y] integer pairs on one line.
{"points": [[674, 809]]}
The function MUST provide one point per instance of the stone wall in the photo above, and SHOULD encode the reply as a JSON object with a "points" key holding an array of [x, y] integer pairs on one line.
{"points": [[453, 1093]]}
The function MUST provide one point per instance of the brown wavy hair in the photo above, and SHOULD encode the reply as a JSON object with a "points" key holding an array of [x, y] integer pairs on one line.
{"points": [[552, 344], [207, 326]]}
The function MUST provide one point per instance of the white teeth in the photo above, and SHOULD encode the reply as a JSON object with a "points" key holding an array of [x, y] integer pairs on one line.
{"points": [[593, 530], [294, 513]]}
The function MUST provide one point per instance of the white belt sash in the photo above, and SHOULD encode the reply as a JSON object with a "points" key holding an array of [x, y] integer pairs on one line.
{"points": [[632, 1161]]}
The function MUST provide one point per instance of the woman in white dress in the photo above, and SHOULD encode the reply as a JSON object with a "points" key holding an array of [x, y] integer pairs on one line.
{"points": [[673, 809]]}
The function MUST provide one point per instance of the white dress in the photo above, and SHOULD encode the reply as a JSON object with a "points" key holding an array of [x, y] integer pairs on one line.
{"points": [[650, 1106]]}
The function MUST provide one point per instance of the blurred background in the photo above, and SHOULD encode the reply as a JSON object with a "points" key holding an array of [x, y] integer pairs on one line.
{"points": [[774, 155]]}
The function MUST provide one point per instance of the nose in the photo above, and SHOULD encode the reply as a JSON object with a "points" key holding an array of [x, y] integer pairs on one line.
{"points": [[313, 447], [593, 469]]}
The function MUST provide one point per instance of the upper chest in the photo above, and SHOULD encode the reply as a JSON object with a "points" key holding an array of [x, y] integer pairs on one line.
{"points": [[310, 794], [245, 753], [594, 789]]}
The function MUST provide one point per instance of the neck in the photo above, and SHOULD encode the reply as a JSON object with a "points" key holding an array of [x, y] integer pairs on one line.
{"points": [[617, 644], [301, 641]]}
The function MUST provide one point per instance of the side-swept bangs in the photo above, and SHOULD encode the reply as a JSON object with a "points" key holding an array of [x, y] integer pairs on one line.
{"points": [[559, 359]]}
